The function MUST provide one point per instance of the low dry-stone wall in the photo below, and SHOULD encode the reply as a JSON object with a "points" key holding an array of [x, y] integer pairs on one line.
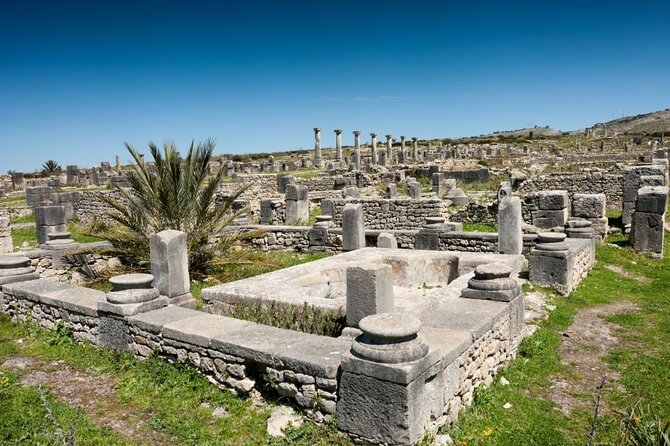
{"points": [[395, 213], [583, 183]]}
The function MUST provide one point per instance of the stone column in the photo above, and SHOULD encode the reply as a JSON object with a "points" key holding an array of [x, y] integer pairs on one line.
{"points": [[169, 266], [317, 147], [383, 392], [72, 174], [373, 147], [357, 149], [17, 180], [353, 227], [118, 163], [548, 263], [402, 157], [389, 149], [297, 204], [415, 148], [510, 222], [338, 145]]}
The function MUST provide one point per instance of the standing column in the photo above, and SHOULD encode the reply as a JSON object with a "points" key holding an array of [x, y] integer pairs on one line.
{"points": [[338, 145], [317, 147], [415, 148], [403, 150], [357, 149], [373, 147], [389, 149]]}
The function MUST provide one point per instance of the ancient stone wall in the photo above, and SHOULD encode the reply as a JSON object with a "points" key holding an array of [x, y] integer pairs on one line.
{"points": [[585, 183], [400, 213]]}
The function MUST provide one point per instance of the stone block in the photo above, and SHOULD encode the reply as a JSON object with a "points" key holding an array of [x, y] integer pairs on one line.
{"points": [[49, 215], [283, 180], [169, 262], [553, 200], [549, 218], [652, 199], [652, 180], [296, 192], [510, 222], [267, 212], [369, 291], [297, 211], [427, 239], [414, 190], [353, 227], [589, 205], [646, 234], [387, 241]]}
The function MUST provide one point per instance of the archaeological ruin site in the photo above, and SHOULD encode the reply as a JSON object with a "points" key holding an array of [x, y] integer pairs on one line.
{"points": [[427, 260]]}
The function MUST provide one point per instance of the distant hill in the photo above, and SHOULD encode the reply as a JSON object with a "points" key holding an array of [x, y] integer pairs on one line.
{"points": [[537, 131], [654, 122]]}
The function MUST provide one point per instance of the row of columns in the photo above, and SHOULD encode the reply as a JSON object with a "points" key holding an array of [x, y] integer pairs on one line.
{"points": [[357, 147]]}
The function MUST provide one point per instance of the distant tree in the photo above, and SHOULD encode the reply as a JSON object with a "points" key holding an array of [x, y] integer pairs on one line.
{"points": [[51, 167]]}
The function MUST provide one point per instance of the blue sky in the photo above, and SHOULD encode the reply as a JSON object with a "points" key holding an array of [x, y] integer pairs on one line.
{"points": [[78, 79]]}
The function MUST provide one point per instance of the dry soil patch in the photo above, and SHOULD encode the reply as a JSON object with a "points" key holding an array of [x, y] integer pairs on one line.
{"points": [[584, 346], [93, 394]]}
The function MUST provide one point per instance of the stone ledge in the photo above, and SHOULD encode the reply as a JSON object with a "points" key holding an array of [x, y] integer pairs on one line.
{"points": [[58, 294]]}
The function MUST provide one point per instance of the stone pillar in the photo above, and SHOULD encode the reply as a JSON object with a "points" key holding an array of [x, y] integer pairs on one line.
{"points": [[631, 183], [647, 228], [382, 158], [317, 147], [117, 164], [548, 263], [131, 294], [353, 227], [318, 235], [439, 185], [338, 145], [492, 281], [510, 222], [49, 219], [386, 240], [414, 189], [271, 164], [390, 190], [383, 382], [389, 149], [72, 174], [357, 149], [369, 291], [169, 266], [415, 148], [283, 180], [373, 147], [297, 204], [17, 180], [16, 269], [402, 156], [6, 243]]}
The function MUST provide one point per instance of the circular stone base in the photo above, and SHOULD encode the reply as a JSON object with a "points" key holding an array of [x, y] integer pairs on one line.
{"points": [[495, 270], [14, 262], [131, 282], [390, 338]]}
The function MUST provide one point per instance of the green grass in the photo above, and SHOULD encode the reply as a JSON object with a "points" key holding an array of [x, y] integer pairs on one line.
{"points": [[244, 264], [168, 396], [30, 218], [13, 201], [24, 235], [479, 227], [641, 359]]}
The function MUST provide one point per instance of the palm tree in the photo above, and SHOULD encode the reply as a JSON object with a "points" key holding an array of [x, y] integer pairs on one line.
{"points": [[173, 193], [51, 167]]}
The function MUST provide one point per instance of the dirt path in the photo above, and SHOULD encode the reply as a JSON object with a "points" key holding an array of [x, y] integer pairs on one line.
{"points": [[584, 346], [93, 394]]}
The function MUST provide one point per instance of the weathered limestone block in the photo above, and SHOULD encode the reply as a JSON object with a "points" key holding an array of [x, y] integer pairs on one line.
{"points": [[492, 281], [549, 218], [510, 223], [169, 266], [369, 291], [297, 204], [553, 199], [353, 227], [647, 230], [589, 205], [386, 240], [16, 269]]}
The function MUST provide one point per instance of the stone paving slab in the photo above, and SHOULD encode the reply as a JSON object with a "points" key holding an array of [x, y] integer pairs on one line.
{"points": [[58, 294], [202, 328], [154, 321]]}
